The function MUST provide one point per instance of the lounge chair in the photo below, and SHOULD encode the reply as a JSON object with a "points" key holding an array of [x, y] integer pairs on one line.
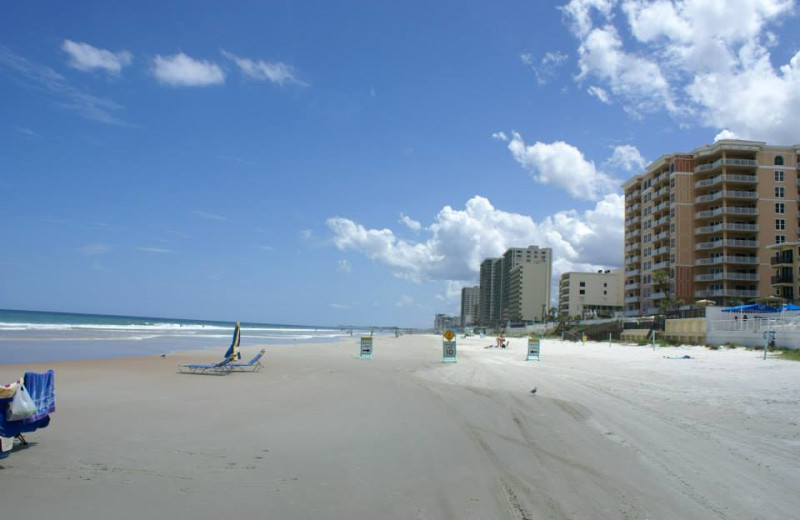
{"points": [[223, 368], [254, 365]]}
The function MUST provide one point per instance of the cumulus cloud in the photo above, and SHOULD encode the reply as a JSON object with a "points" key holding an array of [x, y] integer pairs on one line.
{"points": [[461, 238], [85, 57], [410, 223], [599, 93], [563, 166], [500, 136], [627, 157], [703, 62], [725, 134], [180, 70], [277, 72]]}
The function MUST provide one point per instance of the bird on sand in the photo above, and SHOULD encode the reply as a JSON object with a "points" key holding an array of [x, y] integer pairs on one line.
{"points": [[535, 388]]}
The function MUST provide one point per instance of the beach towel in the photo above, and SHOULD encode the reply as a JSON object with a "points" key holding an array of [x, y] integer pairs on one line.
{"points": [[41, 388]]}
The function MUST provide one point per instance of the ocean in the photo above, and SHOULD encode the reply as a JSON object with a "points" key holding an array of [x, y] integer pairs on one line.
{"points": [[34, 337]]}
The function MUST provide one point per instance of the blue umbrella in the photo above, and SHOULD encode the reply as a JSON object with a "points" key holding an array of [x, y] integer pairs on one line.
{"points": [[790, 307], [752, 307]]}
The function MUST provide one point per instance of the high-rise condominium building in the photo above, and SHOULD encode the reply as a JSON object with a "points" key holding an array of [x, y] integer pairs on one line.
{"points": [[705, 219], [490, 291], [526, 283], [470, 298], [591, 294]]}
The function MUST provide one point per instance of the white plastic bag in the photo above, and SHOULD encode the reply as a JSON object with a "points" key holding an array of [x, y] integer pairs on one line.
{"points": [[21, 407]]}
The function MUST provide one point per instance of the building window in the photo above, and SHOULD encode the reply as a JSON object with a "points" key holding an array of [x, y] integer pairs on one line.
{"points": [[780, 239], [605, 293], [778, 176], [780, 208], [583, 284], [778, 160], [780, 224], [582, 291], [778, 192]]}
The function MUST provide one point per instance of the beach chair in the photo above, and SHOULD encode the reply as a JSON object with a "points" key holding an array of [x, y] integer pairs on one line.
{"points": [[254, 365], [223, 368]]}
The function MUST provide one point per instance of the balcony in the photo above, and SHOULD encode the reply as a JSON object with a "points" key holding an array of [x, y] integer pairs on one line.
{"points": [[727, 177], [631, 234], [730, 259], [660, 265], [631, 286], [731, 293], [632, 260], [631, 299], [728, 210], [631, 272], [658, 295], [782, 259], [632, 247], [631, 221], [782, 279], [632, 208], [725, 162], [730, 242], [727, 226], [712, 277], [726, 194]]}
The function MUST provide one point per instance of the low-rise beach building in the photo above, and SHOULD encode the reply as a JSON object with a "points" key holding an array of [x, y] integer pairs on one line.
{"points": [[591, 294]]}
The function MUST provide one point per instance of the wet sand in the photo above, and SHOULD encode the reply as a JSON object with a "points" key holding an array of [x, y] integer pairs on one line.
{"points": [[616, 432]]}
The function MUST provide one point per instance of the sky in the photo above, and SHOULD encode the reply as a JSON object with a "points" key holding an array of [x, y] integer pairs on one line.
{"points": [[334, 163]]}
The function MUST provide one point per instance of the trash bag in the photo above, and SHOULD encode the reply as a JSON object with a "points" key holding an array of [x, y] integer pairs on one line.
{"points": [[21, 406]]}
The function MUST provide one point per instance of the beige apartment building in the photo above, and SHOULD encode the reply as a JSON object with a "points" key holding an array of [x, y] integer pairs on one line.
{"points": [[705, 218], [597, 294], [526, 283]]}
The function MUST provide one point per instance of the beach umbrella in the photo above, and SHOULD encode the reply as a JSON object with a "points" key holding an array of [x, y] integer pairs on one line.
{"points": [[233, 351], [751, 307]]}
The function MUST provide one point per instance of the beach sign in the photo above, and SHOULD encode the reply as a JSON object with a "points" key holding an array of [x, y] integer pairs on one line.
{"points": [[366, 347], [449, 352], [449, 335], [533, 350]]}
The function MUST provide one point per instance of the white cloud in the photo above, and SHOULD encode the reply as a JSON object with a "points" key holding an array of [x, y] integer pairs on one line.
{"points": [[628, 158], [563, 166], [500, 136], [95, 249], [44, 79], [307, 234], [705, 62], [277, 72], [180, 70], [725, 134], [83, 56], [546, 68], [599, 93], [343, 266], [460, 239], [339, 306], [410, 223]]}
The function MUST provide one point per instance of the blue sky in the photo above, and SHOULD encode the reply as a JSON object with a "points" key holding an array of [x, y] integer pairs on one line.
{"points": [[351, 162]]}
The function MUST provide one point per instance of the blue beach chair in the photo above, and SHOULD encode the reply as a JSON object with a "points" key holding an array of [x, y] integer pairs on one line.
{"points": [[254, 365], [223, 368]]}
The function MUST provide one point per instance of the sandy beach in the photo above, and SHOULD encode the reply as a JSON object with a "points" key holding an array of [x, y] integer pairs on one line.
{"points": [[613, 432]]}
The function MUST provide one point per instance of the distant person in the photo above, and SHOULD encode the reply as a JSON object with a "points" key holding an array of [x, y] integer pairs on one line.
{"points": [[501, 340]]}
